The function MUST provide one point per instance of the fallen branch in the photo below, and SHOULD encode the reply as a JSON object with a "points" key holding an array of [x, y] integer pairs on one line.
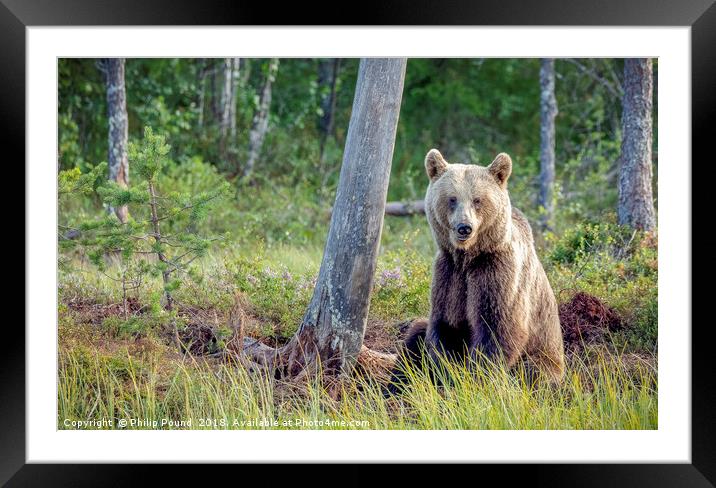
{"points": [[403, 209]]}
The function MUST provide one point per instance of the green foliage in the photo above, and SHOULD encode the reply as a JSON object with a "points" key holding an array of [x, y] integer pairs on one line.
{"points": [[584, 239], [73, 181], [402, 284], [277, 296], [149, 157], [132, 327]]}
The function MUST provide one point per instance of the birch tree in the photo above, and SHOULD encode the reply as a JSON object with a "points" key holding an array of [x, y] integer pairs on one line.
{"points": [[259, 125], [235, 79], [548, 112], [636, 203], [113, 70], [228, 103]]}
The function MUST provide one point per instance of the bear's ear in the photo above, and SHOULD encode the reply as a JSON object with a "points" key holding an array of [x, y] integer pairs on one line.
{"points": [[435, 164], [501, 168]]}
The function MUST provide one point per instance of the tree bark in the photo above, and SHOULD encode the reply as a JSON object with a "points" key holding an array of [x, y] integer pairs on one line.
{"points": [[113, 69], [332, 330], [259, 125], [548, 112], [327, 76], [636, 203]]}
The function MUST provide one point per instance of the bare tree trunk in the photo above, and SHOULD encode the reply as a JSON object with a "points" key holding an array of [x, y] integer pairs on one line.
{"points": [[159, 240], [636, 203], [235, 77], [259, 125], [228, 104], [113, 69], [226, 91], [215, 101], [548, 112], [201, 86], [333, 327], [327, 74]]}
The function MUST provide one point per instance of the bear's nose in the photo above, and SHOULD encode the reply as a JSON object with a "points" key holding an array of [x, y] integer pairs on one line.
{"points": [[464, 230]]}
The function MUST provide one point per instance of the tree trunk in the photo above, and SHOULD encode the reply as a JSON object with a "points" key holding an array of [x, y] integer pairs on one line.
{"points": [[113, 69], [201, 86], [259, 125], [226, 102], [332, 330], [636, 204], [228, 105], [327, 78], [548, 112], [235, 77]]}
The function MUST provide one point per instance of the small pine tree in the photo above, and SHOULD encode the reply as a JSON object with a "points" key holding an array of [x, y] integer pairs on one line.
{"points": [[143, 245]]}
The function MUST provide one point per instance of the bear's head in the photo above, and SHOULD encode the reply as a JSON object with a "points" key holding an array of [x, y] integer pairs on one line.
{"points": [[467, 205]]}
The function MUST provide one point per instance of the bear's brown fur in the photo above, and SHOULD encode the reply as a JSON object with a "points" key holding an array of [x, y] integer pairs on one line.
{"points": [[489, 293]]}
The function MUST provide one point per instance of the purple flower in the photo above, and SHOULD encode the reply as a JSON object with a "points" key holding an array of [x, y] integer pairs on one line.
{"points": [[252, 279], [287, 276], [308, 283], [390, 275], [270, 273]]}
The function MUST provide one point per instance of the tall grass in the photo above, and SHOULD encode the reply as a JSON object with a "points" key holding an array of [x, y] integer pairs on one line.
{"points": [[599, 392]]}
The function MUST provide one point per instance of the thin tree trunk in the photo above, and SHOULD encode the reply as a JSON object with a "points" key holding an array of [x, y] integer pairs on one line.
{"points": [[201, 86], [158, 239], [215, 110], [332, 330], [228, 105], [259, 125], [328, 74], [548, 112], [235, 77], [636, 203], [226, 101], [113, 69]]}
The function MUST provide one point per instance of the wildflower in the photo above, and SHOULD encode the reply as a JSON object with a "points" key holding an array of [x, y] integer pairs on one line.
{"points": [[270, 273], [390, 275]]}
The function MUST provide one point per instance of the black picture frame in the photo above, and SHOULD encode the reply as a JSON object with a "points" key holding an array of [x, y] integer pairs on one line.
{"points": [[700, 15]]}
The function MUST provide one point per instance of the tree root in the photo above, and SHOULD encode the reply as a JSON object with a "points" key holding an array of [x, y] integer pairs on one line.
{"points": [[265, 358]]}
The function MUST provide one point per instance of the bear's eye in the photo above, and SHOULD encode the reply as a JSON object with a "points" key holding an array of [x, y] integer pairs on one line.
{"points": [[452, 201], [476, 201]]}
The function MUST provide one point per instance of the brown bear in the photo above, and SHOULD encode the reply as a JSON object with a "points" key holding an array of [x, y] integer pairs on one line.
{"points": [[489, 293]]}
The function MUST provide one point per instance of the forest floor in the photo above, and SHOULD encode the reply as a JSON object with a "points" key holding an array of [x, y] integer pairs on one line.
{"points": [[120, 362]]}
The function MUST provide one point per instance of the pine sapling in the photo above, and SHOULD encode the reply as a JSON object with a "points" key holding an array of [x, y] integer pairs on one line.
{"points": [[160, 236]]}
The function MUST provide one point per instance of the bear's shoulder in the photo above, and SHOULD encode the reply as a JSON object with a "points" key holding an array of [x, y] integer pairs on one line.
{"points": [[520, 222]]}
